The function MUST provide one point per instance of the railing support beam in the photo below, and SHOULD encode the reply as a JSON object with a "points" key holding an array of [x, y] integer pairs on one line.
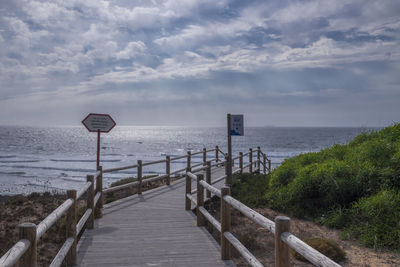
{"points": [[99, 187], [139, 175], [241, 162], [168, 169], [71, 228], [188, 203], [90, 201], [225, 224], [282, 255], [251, 160], [200, 201], [28, 231], [208, 177]]}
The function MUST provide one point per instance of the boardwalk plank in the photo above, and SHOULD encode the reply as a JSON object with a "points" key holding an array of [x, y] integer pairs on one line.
{"points": [[150, 230]]}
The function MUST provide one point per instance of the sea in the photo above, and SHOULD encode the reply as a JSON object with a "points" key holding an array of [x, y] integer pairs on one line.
{"points": [[38, 159]]}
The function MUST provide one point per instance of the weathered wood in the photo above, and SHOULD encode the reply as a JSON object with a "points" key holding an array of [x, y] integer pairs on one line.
{"points": [[197, 165], [312, 255], [12, 256], [168, 169], [264, 163], [282, 255], [139, 176], [258, 158], [188, 204], [218, 179], [210, 218], [216, 153], [153, 162], [99, 188], [251, 160], [83, 190], [119, 187], [225, 224], [150, 230], [90, 202], [208, 177], [120, 168], [70, 225], [269, 166], [246, 254], [83, 220], [179, 157], [28, 231], [204, 156], [189, 160], [62, 253], [178, 171], [251, 214], [97, 198], [200, 200], [53, 217], [192, 199], [210, 188]]}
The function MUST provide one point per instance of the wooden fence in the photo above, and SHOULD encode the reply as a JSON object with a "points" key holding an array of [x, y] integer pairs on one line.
{"points": [[24, 252], [280, 228]]}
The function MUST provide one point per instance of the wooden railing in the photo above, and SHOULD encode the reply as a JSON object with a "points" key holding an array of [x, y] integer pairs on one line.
{"points": [[280, 228], [24, 251]]}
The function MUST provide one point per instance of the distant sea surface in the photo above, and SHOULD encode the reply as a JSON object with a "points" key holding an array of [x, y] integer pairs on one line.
{"points": [[55, 159]]}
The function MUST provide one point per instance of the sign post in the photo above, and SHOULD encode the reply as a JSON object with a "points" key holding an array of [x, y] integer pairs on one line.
{"points": [[100, 123], [235, 127]]}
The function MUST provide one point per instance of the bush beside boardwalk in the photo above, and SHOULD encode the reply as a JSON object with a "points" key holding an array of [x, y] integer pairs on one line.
{"points": [[353, 187]]}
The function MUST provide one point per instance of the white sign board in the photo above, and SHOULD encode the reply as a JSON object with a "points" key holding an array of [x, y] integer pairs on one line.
{"points": [[237, 127], [98, 122]]}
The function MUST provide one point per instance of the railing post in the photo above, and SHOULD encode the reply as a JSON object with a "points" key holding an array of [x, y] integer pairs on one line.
{"points": [[168, 169], [28, 231], [90, 201], [282, 255], [259, 159], [241, 162], [99, 187], [200, 200], [189, 160], [71, 228], [264, 163], [204, 156], [139, 175], [216, 153], [251, 160], [188, 203], [208, 178], [269, 166], [225, 224]]}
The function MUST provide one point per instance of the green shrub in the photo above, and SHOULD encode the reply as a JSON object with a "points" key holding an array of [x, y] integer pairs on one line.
{"points": [[352, 187], [376, 219], [250, 189]]}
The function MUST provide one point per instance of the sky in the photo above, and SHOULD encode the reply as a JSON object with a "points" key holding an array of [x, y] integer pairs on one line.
{"points": [[280, 63]]}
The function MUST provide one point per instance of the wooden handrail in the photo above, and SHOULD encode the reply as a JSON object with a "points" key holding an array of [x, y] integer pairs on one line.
{"points": [[94, 199], [154, 162], [120, 168], [281, 231], [11, 257], [44, 225], [62, 253]]}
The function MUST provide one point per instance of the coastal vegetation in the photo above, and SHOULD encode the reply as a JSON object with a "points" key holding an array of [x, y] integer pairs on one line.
{"points": [[353, 187]]}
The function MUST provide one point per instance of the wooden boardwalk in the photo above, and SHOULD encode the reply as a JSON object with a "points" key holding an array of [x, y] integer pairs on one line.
{"points": [[151, 229]]}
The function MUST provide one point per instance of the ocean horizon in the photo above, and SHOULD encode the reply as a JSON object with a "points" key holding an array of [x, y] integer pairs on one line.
{"points": [[37, 159]]}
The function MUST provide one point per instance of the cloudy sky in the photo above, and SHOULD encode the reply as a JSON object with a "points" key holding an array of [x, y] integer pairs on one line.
{"points": [[282, 63]]}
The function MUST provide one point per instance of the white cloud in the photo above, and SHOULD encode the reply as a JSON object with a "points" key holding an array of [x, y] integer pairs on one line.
{"points": [[131, 50]]}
